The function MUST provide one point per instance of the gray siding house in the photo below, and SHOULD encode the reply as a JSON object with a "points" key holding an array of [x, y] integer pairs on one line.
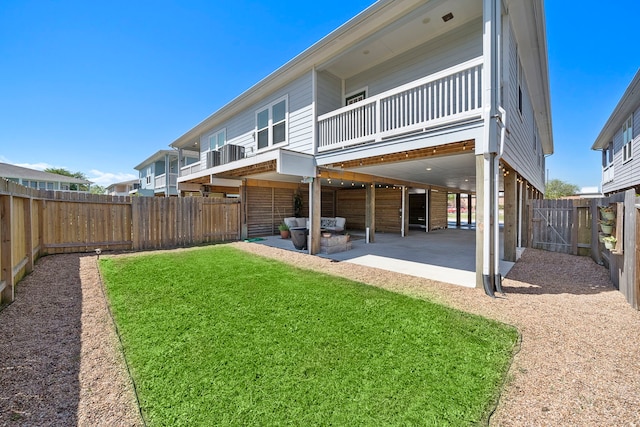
{"points": [[42, 180], [420, 97], [618, 141]]}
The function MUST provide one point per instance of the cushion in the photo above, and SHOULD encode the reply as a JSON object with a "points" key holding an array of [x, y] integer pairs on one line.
{"points": [[328, 222]]}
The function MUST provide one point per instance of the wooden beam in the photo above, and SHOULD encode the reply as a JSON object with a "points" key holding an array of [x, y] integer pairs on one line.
{"points": [[249, 182], [315, 196], [420, 153], [510, 240], [350, 176], [268, 166], [370, 211]]}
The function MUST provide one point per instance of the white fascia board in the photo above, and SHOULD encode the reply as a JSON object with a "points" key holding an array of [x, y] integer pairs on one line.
{"points": [[247, 161], [158, 155], [468, 131], [296, 163]]}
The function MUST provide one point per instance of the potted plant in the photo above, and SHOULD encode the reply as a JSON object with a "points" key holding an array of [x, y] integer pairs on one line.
{"points": [[610, 242], [607, 213], [284, 231], [601, 237], [606, 226]]}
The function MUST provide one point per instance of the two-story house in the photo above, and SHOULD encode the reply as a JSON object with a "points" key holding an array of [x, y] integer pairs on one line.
{"points": [[620, 159], [124, 188], [408, 97], [159, 173]]}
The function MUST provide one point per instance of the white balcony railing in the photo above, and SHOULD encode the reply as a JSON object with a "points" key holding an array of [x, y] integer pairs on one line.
{"points": [[189, 169], [607, 174], [450, 95], [161, 181]]}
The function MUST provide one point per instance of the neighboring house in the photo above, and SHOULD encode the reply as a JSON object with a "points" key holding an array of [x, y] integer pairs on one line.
{"points": [[42, 180], [406, 98], [618, 141], [159, 173], [123, 188]]}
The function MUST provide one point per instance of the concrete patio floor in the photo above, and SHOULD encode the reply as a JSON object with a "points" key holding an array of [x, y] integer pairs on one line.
{"points": [[444, 255]]}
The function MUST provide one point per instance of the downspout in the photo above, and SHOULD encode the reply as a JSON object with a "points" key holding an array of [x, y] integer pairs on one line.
{"points": [[490, 146]]}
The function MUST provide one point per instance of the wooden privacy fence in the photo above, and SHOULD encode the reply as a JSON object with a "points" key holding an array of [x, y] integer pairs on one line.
{"points": [[573, 226], [39, 222]]}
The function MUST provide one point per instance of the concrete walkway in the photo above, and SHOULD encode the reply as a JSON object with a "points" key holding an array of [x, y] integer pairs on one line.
{"points": [[444, 255]]}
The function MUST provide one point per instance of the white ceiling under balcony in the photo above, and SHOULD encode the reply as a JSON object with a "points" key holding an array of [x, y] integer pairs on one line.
{"points": [[455, 172], [421, 25]]}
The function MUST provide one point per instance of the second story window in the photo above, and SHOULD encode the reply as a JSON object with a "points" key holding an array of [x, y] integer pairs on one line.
{"points": [[271, 124], [627, 138], [607, 155], [218, 139]]}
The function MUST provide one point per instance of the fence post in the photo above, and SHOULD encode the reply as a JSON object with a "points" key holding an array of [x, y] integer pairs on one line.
{"points": [[28, 232], [6, 278], [595, 243], [630, 247]]}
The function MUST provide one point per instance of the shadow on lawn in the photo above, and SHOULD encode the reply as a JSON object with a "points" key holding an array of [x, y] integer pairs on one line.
{"points": [[540, 272], [40, 346]]}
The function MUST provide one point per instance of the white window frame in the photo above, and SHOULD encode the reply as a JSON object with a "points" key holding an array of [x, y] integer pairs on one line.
{"points": [[350, 98], [213, 146], [627, 139], [271, 125]]}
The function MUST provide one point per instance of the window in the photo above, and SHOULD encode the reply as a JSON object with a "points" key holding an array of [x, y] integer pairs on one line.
{"points": [[520, 75], [356, 96], [627, 138], [271, 124], [607, 155], [218, 139]]}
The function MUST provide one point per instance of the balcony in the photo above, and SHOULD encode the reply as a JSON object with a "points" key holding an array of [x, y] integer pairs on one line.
{"points": [[607, 174], [449, 96], [189, 169], [161, 181]]}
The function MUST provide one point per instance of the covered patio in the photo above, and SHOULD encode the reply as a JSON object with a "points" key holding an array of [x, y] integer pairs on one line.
{"points": [[446, 255]]}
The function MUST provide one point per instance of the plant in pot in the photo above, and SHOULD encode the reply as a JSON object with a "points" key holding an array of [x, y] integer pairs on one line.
{"points": [[284, 231], [606, 226], [610, 242], [607, 213]]}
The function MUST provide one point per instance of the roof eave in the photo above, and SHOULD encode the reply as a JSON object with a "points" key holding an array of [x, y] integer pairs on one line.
{"points": [[627, 104]]}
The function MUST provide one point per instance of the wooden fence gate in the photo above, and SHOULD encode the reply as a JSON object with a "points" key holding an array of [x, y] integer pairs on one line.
{"points": [[561, 226]]}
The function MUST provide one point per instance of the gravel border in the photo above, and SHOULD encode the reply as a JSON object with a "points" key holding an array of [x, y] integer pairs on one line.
{"points": [[579, 362]]}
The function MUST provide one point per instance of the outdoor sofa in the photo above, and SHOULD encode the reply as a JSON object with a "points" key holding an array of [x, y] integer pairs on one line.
{"points": [[330, 224]]}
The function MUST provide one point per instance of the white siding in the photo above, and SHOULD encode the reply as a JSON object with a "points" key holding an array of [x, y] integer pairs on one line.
{"points": [[240, 129], [446, 51], [625, 174], [522, 148]]}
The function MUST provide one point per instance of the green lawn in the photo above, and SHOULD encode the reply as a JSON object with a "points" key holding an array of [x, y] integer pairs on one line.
{"points": [[216, 336]]}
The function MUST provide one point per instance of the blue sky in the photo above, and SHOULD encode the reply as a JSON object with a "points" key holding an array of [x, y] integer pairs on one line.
{"points": [[98, 87]]}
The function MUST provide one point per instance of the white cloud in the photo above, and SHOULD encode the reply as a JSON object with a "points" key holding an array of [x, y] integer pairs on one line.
{"points": [[37, 166], [105, 179]]}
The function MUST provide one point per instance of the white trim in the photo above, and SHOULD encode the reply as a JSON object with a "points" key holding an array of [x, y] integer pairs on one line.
{"points": [[270, 125], [215, 135]]}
